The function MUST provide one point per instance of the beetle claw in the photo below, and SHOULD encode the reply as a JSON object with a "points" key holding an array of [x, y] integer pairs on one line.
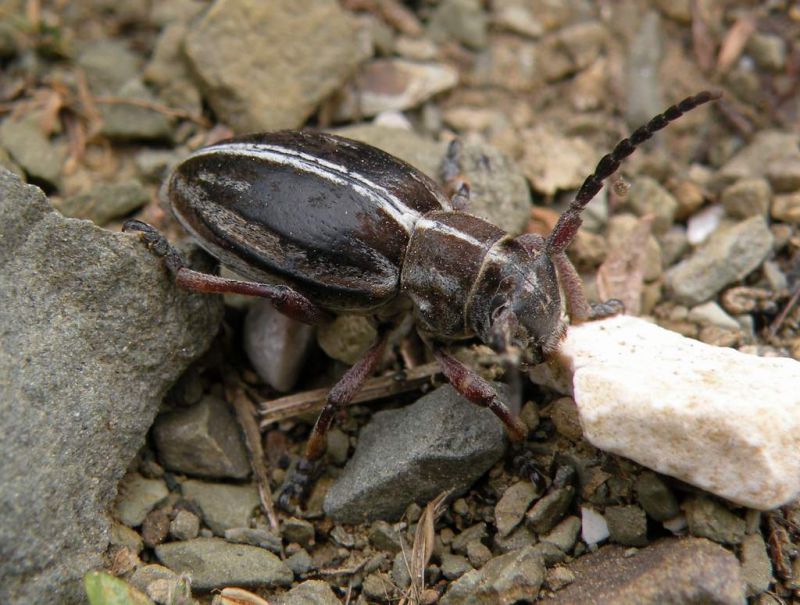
{"points": [[298, 483]]}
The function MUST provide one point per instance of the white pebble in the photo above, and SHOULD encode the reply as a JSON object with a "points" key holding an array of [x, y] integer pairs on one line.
{"points": [[721, 420], [594, 528], [677, 525], [701, 225]]}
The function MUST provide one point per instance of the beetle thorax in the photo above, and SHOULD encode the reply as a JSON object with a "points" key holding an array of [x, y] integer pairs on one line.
{"points": [[467, 277]]}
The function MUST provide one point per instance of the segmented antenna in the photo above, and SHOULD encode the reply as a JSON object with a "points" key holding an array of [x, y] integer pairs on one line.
{"points": [[569, 222]]}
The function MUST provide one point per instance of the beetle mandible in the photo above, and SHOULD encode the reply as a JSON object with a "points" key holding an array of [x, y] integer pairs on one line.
{"points": [[322, 224]]}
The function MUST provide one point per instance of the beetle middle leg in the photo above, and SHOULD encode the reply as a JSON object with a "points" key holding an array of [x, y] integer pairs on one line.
{"points": [[477, 390], [285, 300], [341, 394]]}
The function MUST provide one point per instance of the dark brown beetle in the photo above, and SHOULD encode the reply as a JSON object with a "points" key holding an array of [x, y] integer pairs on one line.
{"points": [[322, 225]]}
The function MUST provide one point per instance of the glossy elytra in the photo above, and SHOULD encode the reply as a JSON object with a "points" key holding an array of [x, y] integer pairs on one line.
{"points": [[320, 225]]}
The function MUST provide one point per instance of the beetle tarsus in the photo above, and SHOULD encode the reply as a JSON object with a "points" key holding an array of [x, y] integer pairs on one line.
{"points": [[298, 483], [156, 242]]}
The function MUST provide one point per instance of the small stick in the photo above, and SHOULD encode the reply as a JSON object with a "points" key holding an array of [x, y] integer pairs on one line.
{"points": [[374, 388], [246, 413], [778, 322]]}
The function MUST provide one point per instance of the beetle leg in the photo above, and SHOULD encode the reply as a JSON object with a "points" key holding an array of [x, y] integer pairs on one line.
{"points": [[286, 300], [455, 183], [340, 395], [578, 308], [477, 390]]}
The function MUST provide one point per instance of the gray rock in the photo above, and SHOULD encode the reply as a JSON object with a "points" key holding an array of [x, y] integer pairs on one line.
{"points": [[460, 20], [202, 440], [392, 84], [337, 446], [768, 51], [550, 553], [756, 565], [519, 537], [38, 156], [498, 189], [709, 519], [255, 536], [565, 534], [454, 566], [185, 525], [690, 572], [106, 201], [478, 553], [224, 506], [132, 122], [144, 576], [108, 65], [656, 497], [276, 345], [784, 175], [647, 196], [304, 49], [729, 255], [513, 504], [298, 530], [122, 535], [310, 592], [503, 580], [550, 509], [413, 454], [627, 525], [472, 533], [300, 563], [384, 536], [757, 158], [786, 207], [565, 417], [421, 152], [168, 72], [747, 197], [137, 497], [400, 574], [347, 337], [214, 563], [93, 335]]}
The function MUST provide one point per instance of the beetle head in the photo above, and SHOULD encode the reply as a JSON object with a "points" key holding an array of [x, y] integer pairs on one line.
{"points": [[517, 306]]}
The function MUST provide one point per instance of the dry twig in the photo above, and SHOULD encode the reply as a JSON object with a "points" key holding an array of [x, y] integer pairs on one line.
{"points": [[422, 549], [375, 388], [246, 413]]}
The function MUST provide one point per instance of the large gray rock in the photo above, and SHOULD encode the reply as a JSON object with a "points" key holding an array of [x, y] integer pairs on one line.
{"points": [[92, 334], [266, 65], [413, 454], [213, 563], [690, 571]]}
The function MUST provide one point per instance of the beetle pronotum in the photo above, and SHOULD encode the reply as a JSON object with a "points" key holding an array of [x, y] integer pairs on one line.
{"points": [[322, 225]]}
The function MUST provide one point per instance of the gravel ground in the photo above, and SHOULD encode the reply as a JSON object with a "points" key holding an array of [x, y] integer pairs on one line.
{"points": [[147, 427]]}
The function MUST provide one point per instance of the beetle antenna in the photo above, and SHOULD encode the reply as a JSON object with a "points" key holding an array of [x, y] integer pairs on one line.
{"points": [[569, 222]]}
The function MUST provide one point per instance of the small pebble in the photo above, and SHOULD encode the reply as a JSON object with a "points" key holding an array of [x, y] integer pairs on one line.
{"points": [[700, 226], [454, 566], [549, 509], [476, 532], [137, 497], [756, 564], [300, 563], [478, 553], [627, 525], [298, 530], [594, 528], [255, 536], [185, 525], [786, 208], [565, 534], [155, 527], [710, 519], [656, 498], [511, 507]]}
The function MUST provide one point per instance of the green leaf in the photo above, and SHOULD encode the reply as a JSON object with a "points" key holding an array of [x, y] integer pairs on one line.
{"points": [[104, 589]]}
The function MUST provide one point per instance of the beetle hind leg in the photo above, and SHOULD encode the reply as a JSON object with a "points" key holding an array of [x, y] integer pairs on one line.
{"points": [[286, 300], [309, 466]]}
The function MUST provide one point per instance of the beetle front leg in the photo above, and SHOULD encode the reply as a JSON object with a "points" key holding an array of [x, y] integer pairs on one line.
{"points": [[285, 300], [340, 395], [477, 390], [578, 308]]}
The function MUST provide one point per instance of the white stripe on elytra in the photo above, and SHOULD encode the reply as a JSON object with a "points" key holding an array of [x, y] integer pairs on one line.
{"points": [[434, 225], [390, 203]]}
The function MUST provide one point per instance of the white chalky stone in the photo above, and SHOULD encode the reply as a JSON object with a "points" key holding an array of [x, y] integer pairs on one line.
{"points": [[716, 418]]}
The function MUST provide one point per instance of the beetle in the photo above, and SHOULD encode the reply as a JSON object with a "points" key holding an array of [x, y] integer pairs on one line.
{"points": [[321, 225]]}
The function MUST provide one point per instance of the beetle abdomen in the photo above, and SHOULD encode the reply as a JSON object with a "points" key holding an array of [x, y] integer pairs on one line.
{"points": [[330, 216]]}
